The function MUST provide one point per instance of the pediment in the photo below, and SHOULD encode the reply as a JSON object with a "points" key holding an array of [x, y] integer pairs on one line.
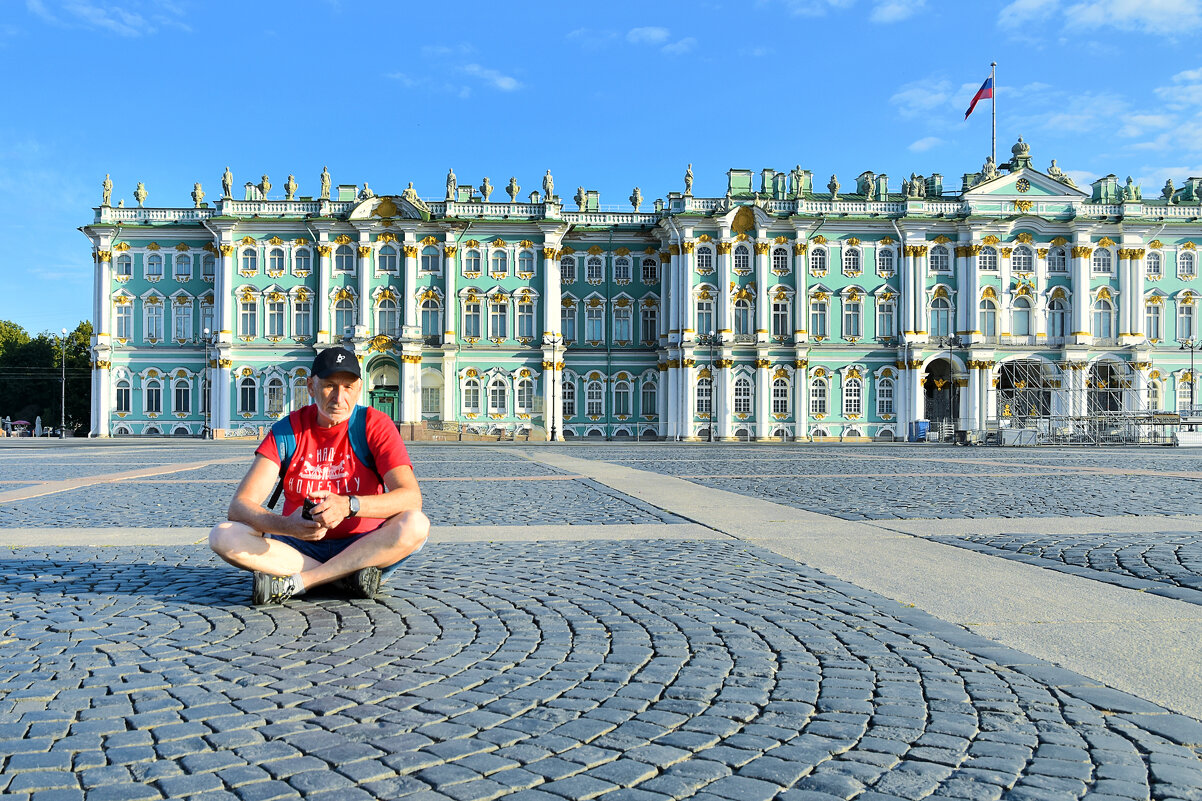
{"points": [[386, 207], [1038, 186]]}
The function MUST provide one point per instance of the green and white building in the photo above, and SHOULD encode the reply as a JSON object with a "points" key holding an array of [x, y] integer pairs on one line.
{"points": [[772, 312]]}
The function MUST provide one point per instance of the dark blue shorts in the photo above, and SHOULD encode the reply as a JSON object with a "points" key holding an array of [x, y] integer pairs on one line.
{"points": [[325, 550]]}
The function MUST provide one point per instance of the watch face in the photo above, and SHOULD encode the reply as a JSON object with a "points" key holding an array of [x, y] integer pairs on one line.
{"points": [[1022, 185]]}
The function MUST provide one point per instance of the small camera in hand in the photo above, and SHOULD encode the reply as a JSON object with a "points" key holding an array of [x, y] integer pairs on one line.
{"points": [[307, 512]]}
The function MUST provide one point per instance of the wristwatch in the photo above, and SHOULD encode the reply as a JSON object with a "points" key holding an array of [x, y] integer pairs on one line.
{"points": [[354, 503]]}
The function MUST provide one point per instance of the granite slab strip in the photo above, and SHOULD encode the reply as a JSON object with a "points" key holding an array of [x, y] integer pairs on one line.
{"points": [[51, 487], [920, 527]]}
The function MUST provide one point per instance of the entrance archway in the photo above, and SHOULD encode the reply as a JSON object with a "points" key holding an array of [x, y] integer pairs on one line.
{"points": [[1105, 388], [384, 382], [942, 396]]}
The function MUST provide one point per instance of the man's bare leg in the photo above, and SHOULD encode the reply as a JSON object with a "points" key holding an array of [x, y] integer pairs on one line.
{"points": [[242, 546], [397, 538]]}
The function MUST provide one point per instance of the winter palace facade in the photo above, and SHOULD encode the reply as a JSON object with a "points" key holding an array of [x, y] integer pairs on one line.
{"points": [[777, 311]]}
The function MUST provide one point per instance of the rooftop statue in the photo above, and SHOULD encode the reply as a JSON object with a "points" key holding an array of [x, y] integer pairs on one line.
{"points": [[486, 189], [1169, 189], [548, 185], [512, 189], [140, 193], [366, 192], [290, 187], [833, 185], [688, 179], [989, 169], [227, 184], [580, 197], [198, 194], [264, 187], [1059, 175], [636, 198], [106, 194], [325, 183], [452, 184]]}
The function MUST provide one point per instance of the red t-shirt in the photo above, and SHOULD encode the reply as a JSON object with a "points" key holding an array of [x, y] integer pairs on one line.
{"points": [[324, 460]]}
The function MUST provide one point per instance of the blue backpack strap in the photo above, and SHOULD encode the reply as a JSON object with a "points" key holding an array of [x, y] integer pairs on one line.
{"points": [[357, 431], [285, 446]]}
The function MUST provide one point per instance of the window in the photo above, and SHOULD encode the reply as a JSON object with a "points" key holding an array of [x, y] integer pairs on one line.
{"points": [[500, 262], [622, 398], [183, 266], [780, 261], [851, 261], [526, 320], [1185, 264], [780, 318], [498, 321], [302, 318], [742, 396], [431, 318], [1152, 321], [1185, 318], [567, 270], [206, 316], [302, 261], [742, 258], [622, 324], [275, 260], [818, 318], [884, 319], [569, 398], [154, 321], [154, 266], [593, 269], [705, 397], [123, 396], [649, 399], [432, 400], [275, 317], [941, 312], [650, 324], [1154, 396], [567, 324], [1057, 318], [705, 260], [988, 318], [248, 322], [498, 398], [275, 397], [471, 396], [471, 319], [1185, 395], [1101, 260], [250, 261], [884, 397], [182, 317], [594, 399], [1057, 262], [780, 396], [524, 397], [651, 270], [300, 393], [1021, 312], [344, 259], [987, 260], [853, 325], [526, 261], [818, 397], [884, 261], [183, 396], [940, 259], [125, 321], [386, 260], [594, 329], [1022, 260], [471, 261], [853, 396], [1154, 264], [153, 402], [344, 317], [818, 261], [743, 325], [622, 269], [207, 265], [386, 318], [1103, 319], [125, 265], [429, 262], [705, 316]]}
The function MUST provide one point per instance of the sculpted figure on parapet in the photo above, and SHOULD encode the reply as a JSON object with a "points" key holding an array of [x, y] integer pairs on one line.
{"points": [[227, 184], [548, 185], [106, 194], [452, 184], [325, 183]]}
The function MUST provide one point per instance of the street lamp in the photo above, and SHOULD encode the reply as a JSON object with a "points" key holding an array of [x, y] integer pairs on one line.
{"points": [[207, 395], [1190, 343], [62, 428], [555, 341], [710, 339]]}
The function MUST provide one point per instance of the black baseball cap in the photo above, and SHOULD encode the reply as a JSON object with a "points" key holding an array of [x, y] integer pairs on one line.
{"points": [[336, 360]]}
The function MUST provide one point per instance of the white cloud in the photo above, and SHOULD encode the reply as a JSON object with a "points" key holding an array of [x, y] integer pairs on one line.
{"points": [[681, 47], [1139, 124], [925, 144], [1083, 178], [814, 8], [919, 98], [1156, 17], [1022, 13], [1152, 178], [886, 11], [123, 19], [647, 35], [492, 77]]}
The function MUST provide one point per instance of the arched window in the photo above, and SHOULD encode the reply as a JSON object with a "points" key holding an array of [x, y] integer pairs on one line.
{"points": [[818, 403], [569, 398], [1185, 264], [300, 393], [1185, 318], [1185, 395], [429, 262], [1057, 262], [344, 317], [853, 318], [386, 259], [1154, 264], [941, 312], [705, 316], [431, 318], [567, 269], [275, 260], [1155, 398], [594, 269], [622, 328], [1057, 318], [705, 397], [649, 401], [622, 268], [940, 259], [853, 397], [851, 261], [183, 266], [248, 396], [526, 261], [471, 261], [817, 317], [742, 395], [1101, 260], [818, 261], [987, 259], [705, 261], [780, 396], [651, 268], [622, 398], [152, 400], [125, 265], [182, 396], [780, 261], [344, 259], [275, 397], [250, 260], [1022, 260], [884, 261], [1152, 322], [594, 399], [471, 396], [302, 261], [884, 397], [1021, 313], [498, 398], [988, 318], [500, 262], [1103, 319], [123, 396], [742, 258], [524, 396], [154, 266], [743, 326], [386, 318]]}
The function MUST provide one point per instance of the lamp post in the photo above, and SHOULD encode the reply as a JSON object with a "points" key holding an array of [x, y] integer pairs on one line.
{"points": [[555, 341], [710, 339], [207, 391], [62, 428], [1190, 343]]}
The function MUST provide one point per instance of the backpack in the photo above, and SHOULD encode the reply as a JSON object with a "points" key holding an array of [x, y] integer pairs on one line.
{"points": [[285, 445]]}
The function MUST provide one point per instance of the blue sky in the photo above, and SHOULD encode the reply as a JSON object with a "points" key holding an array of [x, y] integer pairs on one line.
{"points": [[607, 96]]}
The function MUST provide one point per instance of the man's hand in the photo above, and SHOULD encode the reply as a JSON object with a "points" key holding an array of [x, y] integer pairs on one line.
{"points": [[331, 510], [302, 529]]}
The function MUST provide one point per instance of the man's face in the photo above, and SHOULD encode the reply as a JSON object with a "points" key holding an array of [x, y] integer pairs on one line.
{"points": [[335, 397]]}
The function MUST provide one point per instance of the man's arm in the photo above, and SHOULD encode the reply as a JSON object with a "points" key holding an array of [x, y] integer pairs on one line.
{"points": [[247, 505], [403, 494]]}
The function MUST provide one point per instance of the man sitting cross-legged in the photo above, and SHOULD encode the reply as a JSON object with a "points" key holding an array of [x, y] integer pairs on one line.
{"points": [[352, 463]]}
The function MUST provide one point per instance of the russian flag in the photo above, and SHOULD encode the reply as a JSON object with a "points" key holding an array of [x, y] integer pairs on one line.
{"points": [[986, 91]]}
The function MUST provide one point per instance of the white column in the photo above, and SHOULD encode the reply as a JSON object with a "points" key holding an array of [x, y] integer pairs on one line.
{"points": [[1138, 322], [973, 301], [762, 398], [688, 309], [974, 395], [801, 397], [762, 304], [450, 310], [663, 401], [224, 295], [909, 326], [1126, 326], [667, 301], [1080, 284], [1006, 293], [363, 266], [449, 407], [674, 399], [918, 272], [801, 298], [409, 289], [101, 399], [722, 411], [1041, 301], [688, 371], [725, 321], [322, 300], [411, 388], [221, 393]]}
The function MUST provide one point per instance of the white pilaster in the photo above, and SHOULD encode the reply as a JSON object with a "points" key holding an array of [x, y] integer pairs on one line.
{"points": [[762, 304], [322, 301], [763, 398]]}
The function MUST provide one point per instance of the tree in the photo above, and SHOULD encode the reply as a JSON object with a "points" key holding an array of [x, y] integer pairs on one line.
{"points": [[31, 375]]}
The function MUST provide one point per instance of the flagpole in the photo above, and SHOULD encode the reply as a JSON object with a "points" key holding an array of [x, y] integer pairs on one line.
{"points": [[993, 105]]}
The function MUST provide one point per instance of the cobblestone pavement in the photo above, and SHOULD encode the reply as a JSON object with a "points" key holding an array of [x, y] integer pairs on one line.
{"points": [[541, 672], [1166, 563]]}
